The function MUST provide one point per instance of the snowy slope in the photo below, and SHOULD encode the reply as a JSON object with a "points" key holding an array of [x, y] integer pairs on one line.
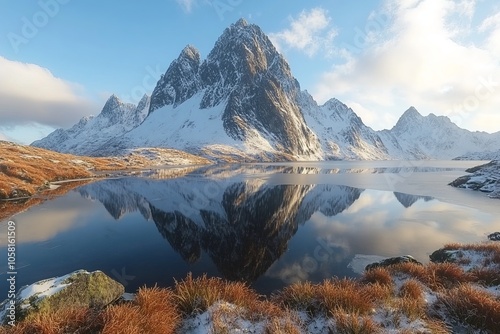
{"points": [[342, 134], [115, 119], [433, 137]]}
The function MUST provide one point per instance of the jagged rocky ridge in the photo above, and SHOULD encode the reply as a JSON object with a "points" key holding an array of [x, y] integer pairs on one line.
{"points": [[244, 225], [243, 102]]}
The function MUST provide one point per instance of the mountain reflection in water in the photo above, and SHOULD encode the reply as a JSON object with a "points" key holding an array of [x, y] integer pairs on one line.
{"points": [[244, 225], [266, 224]]}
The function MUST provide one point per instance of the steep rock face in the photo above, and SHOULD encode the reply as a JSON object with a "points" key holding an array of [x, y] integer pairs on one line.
{"points": [[242, 97], [115, 119], [180, 82]]}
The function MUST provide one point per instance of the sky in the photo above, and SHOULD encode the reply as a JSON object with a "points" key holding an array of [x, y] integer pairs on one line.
{"points": [[61, 59]]}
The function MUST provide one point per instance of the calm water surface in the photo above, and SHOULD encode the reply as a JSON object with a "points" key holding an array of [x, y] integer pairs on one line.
{"points": [[267, 224]]}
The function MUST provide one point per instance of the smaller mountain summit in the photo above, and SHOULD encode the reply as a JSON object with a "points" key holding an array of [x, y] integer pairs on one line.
{"points": [[115, 119]]}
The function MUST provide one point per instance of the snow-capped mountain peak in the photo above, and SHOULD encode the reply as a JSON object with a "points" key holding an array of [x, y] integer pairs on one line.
{"points": [[242, 102], [115, 119], [180, 82]]}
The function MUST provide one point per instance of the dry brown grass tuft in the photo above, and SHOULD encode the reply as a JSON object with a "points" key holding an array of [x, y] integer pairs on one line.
{"points": [[152, 312], [411, 270], [346, 295], [124, 318], [353, 324], [284, 325], [469, 305], [486, 276], [379, 294], [196, 295], [299, 296], [379, 275], [77, 320], [445, 276], [411, 289], [412, 308]]}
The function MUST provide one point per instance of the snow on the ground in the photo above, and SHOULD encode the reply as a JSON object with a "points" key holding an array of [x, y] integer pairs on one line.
{"points": [[224, 315]]}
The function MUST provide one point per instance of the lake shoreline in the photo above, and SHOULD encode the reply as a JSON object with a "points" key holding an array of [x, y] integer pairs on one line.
{"points": [[404, 296]]}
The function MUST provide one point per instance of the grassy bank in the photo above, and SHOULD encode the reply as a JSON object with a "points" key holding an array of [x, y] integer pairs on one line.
{"points": [[26, 171], [462, 296]]}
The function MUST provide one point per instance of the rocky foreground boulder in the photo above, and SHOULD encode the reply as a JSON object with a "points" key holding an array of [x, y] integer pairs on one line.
{"points": [[485, 178], [392, 261], [77, 289]]}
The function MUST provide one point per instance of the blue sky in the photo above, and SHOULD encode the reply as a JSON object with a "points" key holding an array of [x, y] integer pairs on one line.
{"points": [[61, 59]]}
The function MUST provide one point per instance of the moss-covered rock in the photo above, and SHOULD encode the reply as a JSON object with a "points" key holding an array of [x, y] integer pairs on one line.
{"points": [[78, 289]]}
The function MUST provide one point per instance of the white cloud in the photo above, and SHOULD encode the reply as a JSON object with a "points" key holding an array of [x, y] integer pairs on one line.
{"points": [[31, 94], [309, 33], [422, 57]]}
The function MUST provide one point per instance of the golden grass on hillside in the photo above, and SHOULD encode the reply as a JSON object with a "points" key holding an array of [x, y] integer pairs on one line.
{"points": [[25, 170]]}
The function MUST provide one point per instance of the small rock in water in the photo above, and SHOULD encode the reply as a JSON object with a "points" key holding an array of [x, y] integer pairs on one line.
{"points": [[392, 261], [494, 236]]}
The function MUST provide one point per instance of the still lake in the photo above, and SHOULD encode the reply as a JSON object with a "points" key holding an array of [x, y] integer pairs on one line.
{"points": [[267, 224]]}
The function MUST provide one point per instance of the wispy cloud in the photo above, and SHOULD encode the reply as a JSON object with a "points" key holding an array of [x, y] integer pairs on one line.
{"points": [[5, 137], [187, 5], [310, 32], [32, 94], [423, 57]]}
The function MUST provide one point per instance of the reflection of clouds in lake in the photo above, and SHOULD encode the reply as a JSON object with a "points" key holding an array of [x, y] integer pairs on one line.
{"points": [[296, 272], [375, 225], [48, 220], [378, 223]]}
